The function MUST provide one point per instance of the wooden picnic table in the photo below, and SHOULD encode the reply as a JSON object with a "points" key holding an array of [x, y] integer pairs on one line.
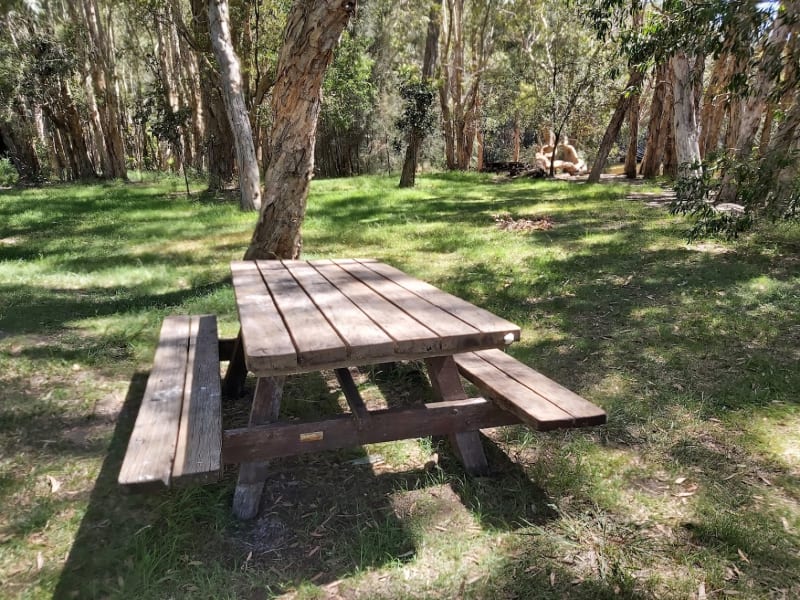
{"points": [[302, 316]]}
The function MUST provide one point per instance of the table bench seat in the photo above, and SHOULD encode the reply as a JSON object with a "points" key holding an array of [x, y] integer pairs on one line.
{"points": [[535, 399], [177, 437]]}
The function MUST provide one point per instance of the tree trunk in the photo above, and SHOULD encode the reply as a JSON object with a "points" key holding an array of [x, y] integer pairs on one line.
{"points": [[714, 102], [653, 149], [623, 106], [687, 133], [238, 117], [416, 138], [515, 144], [218, 138], [633, 139], [105, 86], [313, 30]]}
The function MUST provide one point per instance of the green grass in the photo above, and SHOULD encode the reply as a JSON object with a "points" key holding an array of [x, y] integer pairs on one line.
{"points": [[692, 350]]}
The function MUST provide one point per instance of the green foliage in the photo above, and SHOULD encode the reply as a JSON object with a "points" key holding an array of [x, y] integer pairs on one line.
{"points": [[8, 174], [761, 193], [418, 117], [348, 93]]}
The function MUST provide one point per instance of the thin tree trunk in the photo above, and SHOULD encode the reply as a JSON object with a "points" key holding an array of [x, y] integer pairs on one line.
{"points": [[635, 79], [714, 102], [417, 137], [313, 31], [218, 138], [633, 139], [238, 117], [515, 144]]}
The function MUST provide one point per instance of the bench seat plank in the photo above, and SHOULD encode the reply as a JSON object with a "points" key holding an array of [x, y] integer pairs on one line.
{"points": [[199, 449], [151, 449], [535, 399]]}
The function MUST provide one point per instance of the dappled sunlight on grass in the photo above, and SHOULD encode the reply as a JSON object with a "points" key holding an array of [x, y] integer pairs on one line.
{"points": [[691, 348]]}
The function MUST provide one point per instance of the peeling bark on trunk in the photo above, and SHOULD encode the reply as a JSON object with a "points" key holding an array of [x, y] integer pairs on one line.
{"points": [[687, 134], [313, 31], [238, 117]]}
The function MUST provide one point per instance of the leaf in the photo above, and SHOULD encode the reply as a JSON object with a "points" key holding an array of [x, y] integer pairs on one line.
{"points": [[742, 555], [552, 578], [701, 591], [680, 480], [39, 561], [55, 484]]}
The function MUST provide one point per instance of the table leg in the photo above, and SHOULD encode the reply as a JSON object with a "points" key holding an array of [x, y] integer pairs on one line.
{"points": [[447, 385], [265, 409], [237, 370]]}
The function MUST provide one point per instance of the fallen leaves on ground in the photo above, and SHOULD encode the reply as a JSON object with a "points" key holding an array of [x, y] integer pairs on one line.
{"points": [[508, 223]]}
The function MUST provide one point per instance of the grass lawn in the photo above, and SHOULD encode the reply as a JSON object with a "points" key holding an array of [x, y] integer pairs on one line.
{"points": [[691, 490]]}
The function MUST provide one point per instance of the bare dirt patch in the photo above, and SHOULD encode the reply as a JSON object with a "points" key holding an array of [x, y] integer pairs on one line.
{"points": [[506, 222]]}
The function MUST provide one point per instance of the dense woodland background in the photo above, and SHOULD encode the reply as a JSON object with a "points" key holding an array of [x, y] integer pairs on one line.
{"points": [[94, 89]]}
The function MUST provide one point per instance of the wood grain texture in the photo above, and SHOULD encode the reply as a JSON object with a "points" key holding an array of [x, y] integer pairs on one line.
{"points": [[315, 340], [363, 337], [342, 431], [493, 329], [267, 343], [151, 449], [199, 447], [447, 386], [454, 334], [536, 400], [409, 335]]}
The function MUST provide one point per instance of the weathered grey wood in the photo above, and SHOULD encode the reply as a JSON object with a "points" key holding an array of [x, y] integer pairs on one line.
{"points": [[265, 409], [267, 345], [493, 329], [342, 431], [447, 386], [363, 337], [199, 447], [314, 339], [151, 449], [539, 401], [351, 394], [455, 335], [410, 336]]}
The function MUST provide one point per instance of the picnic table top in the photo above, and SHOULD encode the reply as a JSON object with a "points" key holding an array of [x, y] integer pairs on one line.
{"points": [[299, 316]]}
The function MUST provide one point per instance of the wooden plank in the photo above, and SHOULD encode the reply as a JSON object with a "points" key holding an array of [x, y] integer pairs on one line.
{"points": [[199, 449], [267, 343], [351, 394], [363, 337], [494, 329], [252, 474], [447, 386], [410, 337], [314, 339], [529, 406], [151, 449], [583, 411], [342, 431], [455, 335]]}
